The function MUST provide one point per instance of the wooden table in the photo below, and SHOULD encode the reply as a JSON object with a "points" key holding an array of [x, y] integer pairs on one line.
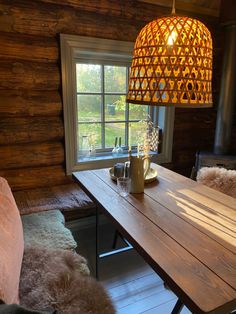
{"points": [[184, 230]]}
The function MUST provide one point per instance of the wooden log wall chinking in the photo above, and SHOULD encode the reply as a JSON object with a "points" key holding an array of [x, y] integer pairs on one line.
{"points": [[31, 112]]}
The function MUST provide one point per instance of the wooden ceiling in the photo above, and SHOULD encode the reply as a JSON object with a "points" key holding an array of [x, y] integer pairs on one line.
{"points": [[205, 7]]}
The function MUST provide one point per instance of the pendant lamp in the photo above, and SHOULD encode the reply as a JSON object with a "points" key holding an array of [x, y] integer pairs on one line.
{"points": [[172, 64]]}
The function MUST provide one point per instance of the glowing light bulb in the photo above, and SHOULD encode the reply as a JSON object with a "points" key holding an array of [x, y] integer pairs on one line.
{"points": [[172, 38]]}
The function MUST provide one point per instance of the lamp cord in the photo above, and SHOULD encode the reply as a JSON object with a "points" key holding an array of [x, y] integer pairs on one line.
{"points": [[173, 7]]}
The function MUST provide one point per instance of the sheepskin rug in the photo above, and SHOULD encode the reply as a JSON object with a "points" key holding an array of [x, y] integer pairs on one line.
{"points": [[58, 279], [62, 197], [47, 229], [220, 179]]}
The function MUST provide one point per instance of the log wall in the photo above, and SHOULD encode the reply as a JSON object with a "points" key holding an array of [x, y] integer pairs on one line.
{"points": [[31, 112]]}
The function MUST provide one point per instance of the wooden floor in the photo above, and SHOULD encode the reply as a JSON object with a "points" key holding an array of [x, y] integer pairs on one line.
{"points": [[132, 285]]}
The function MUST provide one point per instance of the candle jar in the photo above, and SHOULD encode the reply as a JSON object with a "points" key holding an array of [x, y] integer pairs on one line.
{"points": [[85, 146]]}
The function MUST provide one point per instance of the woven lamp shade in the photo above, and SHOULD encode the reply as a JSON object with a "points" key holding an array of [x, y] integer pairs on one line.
{"points": [[172, 64]]}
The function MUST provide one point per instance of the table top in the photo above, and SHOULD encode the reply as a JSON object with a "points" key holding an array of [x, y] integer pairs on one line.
{"points": [[183, 229]]}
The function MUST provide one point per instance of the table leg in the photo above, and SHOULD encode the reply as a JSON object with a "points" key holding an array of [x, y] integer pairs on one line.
{"points": [[115, 239], [97, 244], [109, 253], [178, 307]]}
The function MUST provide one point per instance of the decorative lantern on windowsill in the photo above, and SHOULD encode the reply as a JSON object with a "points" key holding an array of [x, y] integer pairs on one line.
{"points": [[172, 64]]}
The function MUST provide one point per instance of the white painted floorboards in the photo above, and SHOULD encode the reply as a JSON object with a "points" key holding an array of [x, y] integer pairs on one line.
{"points": [[132, 284]]}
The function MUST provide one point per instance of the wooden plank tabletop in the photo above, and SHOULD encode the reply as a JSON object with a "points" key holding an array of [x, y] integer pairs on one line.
{"points": [[184, 230]]}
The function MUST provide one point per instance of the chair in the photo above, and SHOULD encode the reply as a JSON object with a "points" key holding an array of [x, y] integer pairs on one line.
{"points": [[220, 179]]}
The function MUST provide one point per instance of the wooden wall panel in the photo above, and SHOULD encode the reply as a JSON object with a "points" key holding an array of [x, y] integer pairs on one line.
{"points": [[89, 18], [133, 9], [24, 17], [200, 119], [28, 75], [50, 20], [28, 47], [31, 120], [190, 139], [114, 8], [35, 155], [22, 103], [29, 178], [30, 130], [228, 11]]}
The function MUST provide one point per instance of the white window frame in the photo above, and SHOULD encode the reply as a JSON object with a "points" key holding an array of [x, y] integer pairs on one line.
{"points": [[80, 47]]}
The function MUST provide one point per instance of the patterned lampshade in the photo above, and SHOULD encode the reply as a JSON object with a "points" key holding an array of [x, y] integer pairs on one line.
{"points": [[172, 64]]}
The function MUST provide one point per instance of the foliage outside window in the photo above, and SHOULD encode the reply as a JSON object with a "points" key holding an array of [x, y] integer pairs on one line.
{"points": [[103, 114]]}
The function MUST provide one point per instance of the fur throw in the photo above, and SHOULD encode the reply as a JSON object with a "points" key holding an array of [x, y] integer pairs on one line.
{"points": [[55, 278], [47, 229], [62, 197], [220, 179]]}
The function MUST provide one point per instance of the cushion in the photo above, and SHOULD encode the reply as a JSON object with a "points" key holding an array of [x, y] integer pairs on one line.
{"points": [[11, 245], [47, 229], [62, 197], [59, 278], [220, 179]]}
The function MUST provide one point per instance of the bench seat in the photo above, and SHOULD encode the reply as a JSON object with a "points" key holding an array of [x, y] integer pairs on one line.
{"points": [[51, 276], [69, 199]]}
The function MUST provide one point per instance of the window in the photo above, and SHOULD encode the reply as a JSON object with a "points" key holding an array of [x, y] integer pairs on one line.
{"points": [[104, 117], [96, 115]]}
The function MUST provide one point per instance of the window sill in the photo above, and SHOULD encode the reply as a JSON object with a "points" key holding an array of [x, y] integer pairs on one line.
{"points": [[105, 160], [108, 156]]}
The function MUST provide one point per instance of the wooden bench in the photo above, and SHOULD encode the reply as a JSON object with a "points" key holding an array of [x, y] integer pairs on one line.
{"points": [[69, 199]]}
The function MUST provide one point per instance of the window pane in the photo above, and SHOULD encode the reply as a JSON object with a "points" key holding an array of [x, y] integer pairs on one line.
{"points": [[88, 77], [93, 133], [115, 79], [89, 108], [113, 130], [137, 133], [114, 108], [137, 112]]}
